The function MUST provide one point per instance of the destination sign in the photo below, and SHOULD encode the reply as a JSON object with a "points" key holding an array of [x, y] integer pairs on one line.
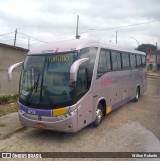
{"points": [[59, 58]]}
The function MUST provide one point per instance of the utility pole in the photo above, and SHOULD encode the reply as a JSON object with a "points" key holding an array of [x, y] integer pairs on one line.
{"points": [[156, 56], [15, 37], [116, 37], [77, 36]]}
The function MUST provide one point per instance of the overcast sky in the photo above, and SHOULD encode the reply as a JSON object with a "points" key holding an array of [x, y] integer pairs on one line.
{"points": [[49, 20]]}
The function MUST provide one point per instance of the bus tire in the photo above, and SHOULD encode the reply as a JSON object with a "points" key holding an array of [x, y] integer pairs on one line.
{"points": [[99, 115], [137, 95]]}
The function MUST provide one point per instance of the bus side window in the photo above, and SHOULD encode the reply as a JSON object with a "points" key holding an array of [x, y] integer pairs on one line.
{"points": [[82, 81], [114, 60], [119, 63], [102, 64], [133, 61], [127, 58], [91, 54], [125, 61], [108, 56], [143, 60], [138, 57]]}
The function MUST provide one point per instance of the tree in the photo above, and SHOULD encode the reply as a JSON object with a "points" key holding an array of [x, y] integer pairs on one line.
{"points": [[146, 47]]}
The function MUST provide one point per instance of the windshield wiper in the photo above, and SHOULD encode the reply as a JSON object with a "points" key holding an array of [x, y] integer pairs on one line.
{"points": [[35, 86]]}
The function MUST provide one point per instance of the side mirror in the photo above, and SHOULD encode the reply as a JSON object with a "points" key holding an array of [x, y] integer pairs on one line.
{"points": [[11, 68], [74, 69]]}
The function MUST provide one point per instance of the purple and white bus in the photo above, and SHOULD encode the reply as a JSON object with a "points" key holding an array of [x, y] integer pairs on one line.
{"points": [[67, 85]]}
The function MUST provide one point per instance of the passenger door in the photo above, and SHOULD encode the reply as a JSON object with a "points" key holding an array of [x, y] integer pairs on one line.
{"points": [[85, 103]]}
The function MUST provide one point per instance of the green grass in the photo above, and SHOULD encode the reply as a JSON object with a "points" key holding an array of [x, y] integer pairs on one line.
{"points": [[8, 104], [9, 98], [2, 125], [8, 108]]}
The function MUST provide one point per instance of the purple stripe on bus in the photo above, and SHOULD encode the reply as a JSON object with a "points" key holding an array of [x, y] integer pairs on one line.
{"points": [[116, 105], [34, 111]]}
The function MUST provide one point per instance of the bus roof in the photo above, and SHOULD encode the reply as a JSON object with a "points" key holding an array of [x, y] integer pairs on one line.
{"points": [[76, 44]]}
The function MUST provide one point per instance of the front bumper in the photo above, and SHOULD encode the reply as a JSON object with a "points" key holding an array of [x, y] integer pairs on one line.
{"points": [[64, 123]]}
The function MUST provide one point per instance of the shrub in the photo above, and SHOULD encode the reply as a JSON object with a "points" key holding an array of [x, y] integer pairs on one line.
{"points": [[8, 98]]}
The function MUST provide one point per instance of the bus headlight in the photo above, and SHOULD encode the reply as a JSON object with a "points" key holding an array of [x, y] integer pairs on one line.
{"points": [[67, 115], [73, 112]]}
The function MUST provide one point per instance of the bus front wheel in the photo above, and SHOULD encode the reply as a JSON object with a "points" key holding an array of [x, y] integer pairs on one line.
{"points": [[99, 115]]}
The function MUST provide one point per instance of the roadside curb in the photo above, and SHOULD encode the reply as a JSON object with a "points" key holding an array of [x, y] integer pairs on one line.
{"points": [[8, 135], [9, 125], [154, 77]]}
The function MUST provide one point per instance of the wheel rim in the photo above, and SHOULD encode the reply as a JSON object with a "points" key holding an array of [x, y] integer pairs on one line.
{"points": [[98, 115], [137, 94]]}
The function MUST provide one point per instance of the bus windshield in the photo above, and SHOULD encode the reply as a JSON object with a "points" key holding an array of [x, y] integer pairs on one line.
{"points": [[45, 80]]}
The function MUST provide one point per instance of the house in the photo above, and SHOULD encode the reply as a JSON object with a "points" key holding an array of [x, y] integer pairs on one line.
{"points": [[153, 60], [10, 55]]}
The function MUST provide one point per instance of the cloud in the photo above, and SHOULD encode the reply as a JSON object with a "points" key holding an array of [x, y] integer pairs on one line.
{"points": [[49, 20]]}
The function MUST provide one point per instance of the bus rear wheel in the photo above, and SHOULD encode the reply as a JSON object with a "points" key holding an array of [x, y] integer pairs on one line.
{"points": [[99, 115], [137, 95]]}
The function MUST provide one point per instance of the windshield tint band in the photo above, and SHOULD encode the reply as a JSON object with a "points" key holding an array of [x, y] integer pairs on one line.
{"points": [[34, 111]]}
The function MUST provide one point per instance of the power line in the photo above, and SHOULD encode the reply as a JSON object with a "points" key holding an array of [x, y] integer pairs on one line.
{"points": [[22, 34], [137, 24], [7, 39], [7, 33], [31, 37], [18, 36]]}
